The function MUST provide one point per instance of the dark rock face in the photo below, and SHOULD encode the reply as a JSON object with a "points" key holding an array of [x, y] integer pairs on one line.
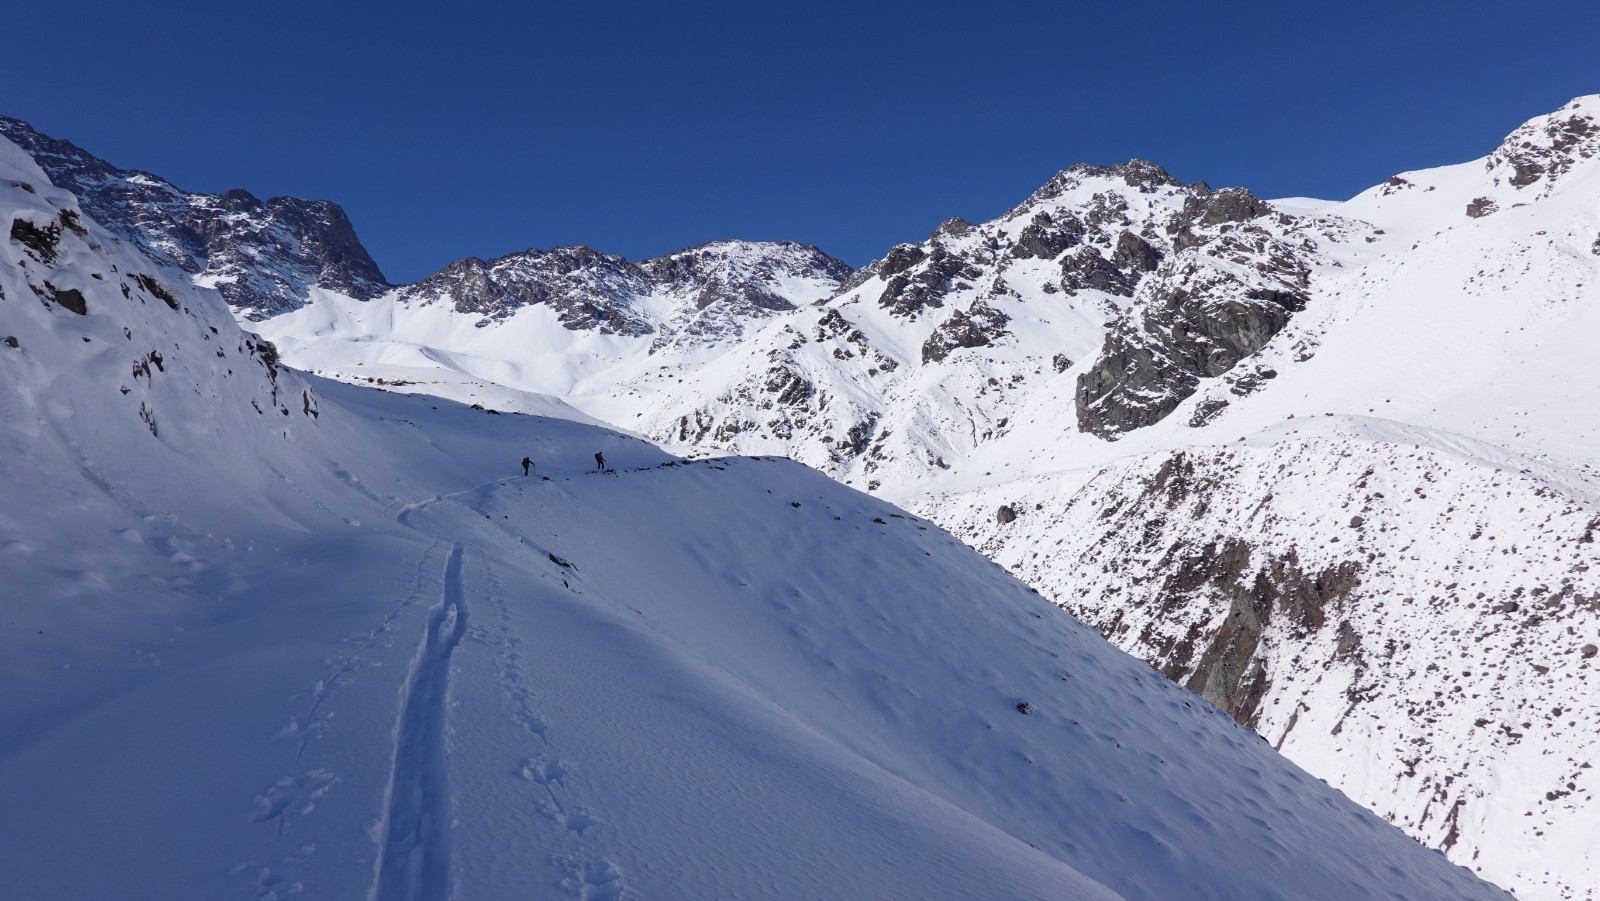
{"points": [[1480, 207], [588, 290], [921, 280], [40, 241], [979, 326], [1196, 317], [1260, 594], [263, 255], [1005, 514], [1228, 673], [1086, 269], [67, 298], [1047, 236], [1546, 148], [717, 286], [1226, 205], [1135, 254]]}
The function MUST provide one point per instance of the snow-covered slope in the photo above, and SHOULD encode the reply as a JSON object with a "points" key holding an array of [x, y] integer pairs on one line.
{"points": [[272, 636]]}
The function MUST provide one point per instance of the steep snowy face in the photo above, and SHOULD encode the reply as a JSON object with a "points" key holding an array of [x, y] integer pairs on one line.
{"points": [[262, 255], [1414, 624]]}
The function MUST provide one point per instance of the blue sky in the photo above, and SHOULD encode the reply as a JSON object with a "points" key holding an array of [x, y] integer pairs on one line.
{"points": [[477, 128]]}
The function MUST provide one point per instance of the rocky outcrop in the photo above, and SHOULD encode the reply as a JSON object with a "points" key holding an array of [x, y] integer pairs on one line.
{"points": [[1220, 662], [586, 289], [1050, 233], [919, 280], [1545, 149], [718, 289], [1196, 317], [709, 291], [978, 326], [263, 255]]}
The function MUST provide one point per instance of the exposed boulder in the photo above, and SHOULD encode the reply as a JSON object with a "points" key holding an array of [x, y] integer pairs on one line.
{"points": [[41, 241]]}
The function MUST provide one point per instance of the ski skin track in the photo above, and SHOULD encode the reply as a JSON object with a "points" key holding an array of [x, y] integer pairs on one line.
{"points": [[414, 833]]}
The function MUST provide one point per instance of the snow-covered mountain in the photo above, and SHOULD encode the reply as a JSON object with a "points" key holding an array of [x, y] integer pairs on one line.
{"points": [[262, 255], [269, 635], [710, 291], [1380, 550]]}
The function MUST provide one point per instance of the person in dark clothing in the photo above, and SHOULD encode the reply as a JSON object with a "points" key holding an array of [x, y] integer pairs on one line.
{"points": [[600, 461], [527, 463]]}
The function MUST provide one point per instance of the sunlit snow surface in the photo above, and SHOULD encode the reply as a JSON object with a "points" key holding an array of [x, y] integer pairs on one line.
{"points": [[269, 636]]}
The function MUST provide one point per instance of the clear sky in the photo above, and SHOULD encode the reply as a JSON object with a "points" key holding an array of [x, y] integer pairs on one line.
{"points": [[450, 129]]}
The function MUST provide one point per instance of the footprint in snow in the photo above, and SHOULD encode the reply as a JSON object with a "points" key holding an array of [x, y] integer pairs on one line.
{"points": [[544, 771], [578, 820], [292, 796], [593, 879]]}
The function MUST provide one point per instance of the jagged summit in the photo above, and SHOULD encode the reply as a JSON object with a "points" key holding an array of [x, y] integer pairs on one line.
{"points": [[1545, 148], [262, 255], [708, 291]]}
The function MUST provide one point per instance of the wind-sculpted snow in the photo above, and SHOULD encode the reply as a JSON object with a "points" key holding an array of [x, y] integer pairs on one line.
{"points": [[344, 648]]}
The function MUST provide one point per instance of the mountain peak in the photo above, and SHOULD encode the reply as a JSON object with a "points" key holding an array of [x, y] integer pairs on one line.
{"points": [[264, 257], [1545, 148]]}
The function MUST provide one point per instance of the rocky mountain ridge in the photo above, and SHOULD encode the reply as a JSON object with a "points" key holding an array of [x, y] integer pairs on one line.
{"points": [[266, 257], [711, 290], [262, 255]]}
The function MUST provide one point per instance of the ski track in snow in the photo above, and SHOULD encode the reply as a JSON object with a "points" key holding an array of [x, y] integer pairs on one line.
{"points": [[294, 795], [414, 834]]}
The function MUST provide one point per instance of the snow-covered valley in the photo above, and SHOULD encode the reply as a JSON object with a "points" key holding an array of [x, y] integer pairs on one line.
{"points": [[1329, 465]]}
